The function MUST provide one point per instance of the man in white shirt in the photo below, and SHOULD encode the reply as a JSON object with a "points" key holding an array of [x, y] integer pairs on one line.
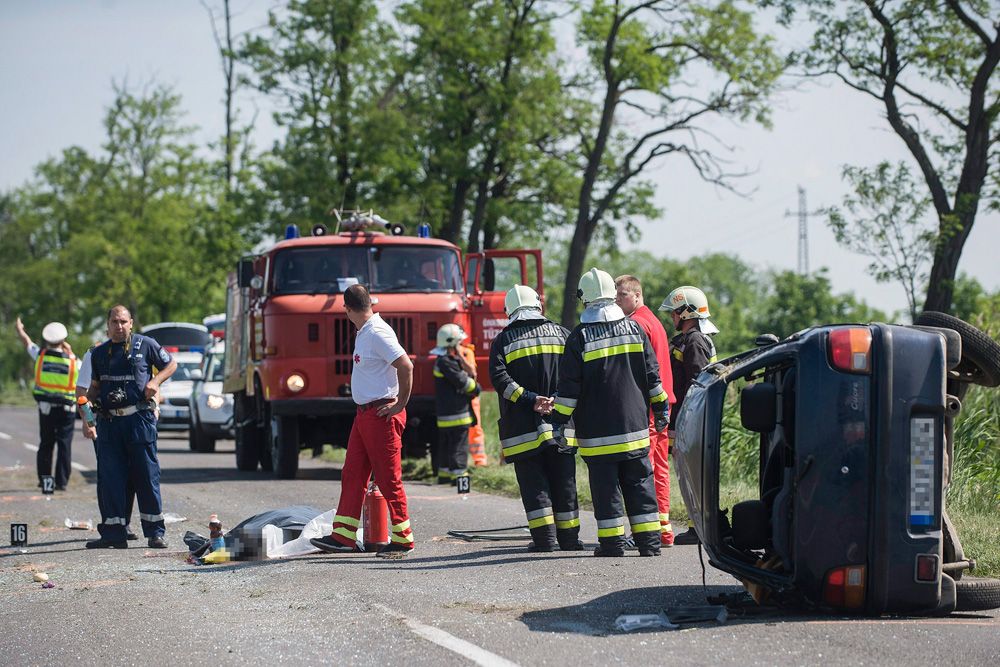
{"points": [[380, 384]]}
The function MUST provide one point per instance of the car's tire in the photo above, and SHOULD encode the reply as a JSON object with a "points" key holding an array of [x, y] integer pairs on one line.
{"points": [[192, 438], [980, 354], [207, 444], [247, 434], [751, 528], [977, 594], [285, 447]]}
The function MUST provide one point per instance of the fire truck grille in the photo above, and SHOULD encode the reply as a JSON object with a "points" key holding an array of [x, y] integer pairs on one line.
{"points": [[343, 340], [403, 326]]}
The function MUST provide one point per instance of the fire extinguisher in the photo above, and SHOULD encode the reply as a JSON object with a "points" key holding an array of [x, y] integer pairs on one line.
{"points": [[376, 523]]}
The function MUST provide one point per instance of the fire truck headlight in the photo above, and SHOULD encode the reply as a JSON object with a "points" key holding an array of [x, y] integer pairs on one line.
{"points": [[295, 383]]}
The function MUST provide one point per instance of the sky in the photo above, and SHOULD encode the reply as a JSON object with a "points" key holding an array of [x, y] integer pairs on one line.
{"points": [[58, 59]]}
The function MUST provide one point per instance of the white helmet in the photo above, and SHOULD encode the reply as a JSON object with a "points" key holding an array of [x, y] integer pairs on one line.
{"points": [[596, 284], [690, 303], [450, 335], [54, 333], [520, 296]]}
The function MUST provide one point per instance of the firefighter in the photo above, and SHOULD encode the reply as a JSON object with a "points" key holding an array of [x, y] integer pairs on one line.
{"points": [[608, 382], [477, 437], [123, 377], [524, 368], [629, 297], [692, 349], [54, 391], [454, 389]]}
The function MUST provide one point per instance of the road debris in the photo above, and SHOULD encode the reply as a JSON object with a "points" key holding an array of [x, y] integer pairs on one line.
{"points": [[633, 622], [40, 577], [78, 525]]}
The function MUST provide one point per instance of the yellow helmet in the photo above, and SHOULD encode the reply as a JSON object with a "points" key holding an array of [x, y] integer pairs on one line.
{"points": [[596, 284], [450, 335]]}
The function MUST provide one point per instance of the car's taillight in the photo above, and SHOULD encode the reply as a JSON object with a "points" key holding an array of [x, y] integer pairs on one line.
{"points": [[851, 349], [845, 587], [927, 567]]}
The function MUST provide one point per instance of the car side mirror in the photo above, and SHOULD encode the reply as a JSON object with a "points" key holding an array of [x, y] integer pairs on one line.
{"points": [[197, 375], [244, 272], [758, 407], [764, 340]]}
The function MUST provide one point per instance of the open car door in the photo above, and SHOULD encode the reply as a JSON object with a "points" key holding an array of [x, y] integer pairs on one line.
{"points": [[488, 276]]}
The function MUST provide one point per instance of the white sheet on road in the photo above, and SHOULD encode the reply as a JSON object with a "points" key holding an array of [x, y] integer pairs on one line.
{"points": [[317, 527]]}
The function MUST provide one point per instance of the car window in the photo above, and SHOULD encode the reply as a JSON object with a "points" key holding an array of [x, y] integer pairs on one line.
{"points": [[184, 369], [213, 368], [180, 337]]}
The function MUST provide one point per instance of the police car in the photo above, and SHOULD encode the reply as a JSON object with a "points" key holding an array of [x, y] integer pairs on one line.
{"points": [[175, 412], [211, 409]]}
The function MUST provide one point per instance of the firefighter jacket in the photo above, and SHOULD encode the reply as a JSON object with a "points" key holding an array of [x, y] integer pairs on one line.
{"points": [[608, 382], [524, 364], [55, 377], [453, 391], [690, 352]]}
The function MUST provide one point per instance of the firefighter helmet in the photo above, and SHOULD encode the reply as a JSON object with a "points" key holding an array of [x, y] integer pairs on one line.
{"points": [[689, 302], [54, 333], [520, 296], [596, 284], [450, 335]]}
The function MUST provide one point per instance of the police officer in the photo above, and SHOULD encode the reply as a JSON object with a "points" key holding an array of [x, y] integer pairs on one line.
{"points": [[524, 369], [692, 349], [54, 391], [126, 429], [454, 389], [608, 382]]}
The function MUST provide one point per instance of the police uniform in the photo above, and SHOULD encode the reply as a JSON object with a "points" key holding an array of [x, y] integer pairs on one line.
{"points": [[454, 390], [126, 431], [690, 352], [55, 391], [608, 382], [524, 364]]}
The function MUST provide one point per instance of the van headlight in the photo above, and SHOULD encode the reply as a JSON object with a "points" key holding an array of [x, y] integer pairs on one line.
{"points": [[214, 401], [295, 383]]}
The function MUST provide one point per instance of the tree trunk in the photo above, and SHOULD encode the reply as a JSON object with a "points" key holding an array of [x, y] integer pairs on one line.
{"points": [[453, 226], [574, 269], [941, 283]]}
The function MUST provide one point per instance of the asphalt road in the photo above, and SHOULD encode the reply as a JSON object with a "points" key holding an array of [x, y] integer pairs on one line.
{"points": [[449, 603]]}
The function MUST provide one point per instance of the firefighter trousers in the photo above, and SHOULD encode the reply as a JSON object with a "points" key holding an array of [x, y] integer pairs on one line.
{"points": [[375, 445], [548, 491], [453, 453], [633, 479]]}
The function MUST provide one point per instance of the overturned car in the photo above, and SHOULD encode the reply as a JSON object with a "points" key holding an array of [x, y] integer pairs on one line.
{"points": [[855, 430]]}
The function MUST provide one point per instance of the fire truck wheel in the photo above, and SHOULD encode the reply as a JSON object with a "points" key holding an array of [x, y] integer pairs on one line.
{"points": [[247, 433], [285, 447]]}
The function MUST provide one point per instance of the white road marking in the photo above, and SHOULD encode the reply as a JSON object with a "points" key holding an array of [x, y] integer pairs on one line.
{"points": [[74, 464], [4, 436], [467, 650]]}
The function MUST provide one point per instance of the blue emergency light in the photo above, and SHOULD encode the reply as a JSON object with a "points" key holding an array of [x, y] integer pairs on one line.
{"points": [[423, 230], [291, 231]]}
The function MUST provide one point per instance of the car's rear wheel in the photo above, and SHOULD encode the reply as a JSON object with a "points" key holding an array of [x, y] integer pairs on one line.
{"points": [[980, 354], [977, 594]]}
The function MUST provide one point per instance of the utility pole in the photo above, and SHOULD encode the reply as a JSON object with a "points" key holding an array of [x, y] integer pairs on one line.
{"points": [[803, 215]]}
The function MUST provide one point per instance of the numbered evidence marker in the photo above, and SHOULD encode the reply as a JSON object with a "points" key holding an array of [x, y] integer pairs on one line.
{"points": [[464, 484], [18, 534], [48, 485]]}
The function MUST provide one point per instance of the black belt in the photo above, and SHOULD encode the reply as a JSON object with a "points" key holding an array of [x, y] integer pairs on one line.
{"points": [[375, 404]]}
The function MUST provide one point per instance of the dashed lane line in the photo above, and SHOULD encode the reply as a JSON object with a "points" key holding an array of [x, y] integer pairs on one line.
{"points": [[4, 436], [74, 464], [467, 650]]}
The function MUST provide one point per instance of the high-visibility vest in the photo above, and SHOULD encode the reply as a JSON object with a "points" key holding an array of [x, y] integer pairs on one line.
{"points": [[55, 377]]}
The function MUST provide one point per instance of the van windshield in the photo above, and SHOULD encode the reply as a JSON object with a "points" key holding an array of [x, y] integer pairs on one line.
{"points": [[383, 268]]}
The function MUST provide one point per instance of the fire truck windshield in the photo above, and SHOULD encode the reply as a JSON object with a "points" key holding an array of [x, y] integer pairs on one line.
{"points": [[383, 268]]}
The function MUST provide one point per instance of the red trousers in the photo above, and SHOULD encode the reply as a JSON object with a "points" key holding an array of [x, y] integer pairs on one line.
{"points": [[374, 445], [659, 457]]}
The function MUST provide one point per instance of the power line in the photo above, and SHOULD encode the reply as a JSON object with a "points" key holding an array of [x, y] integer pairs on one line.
{"points": [[803, 215]]}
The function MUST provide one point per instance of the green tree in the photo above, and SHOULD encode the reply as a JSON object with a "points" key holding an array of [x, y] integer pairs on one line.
{"points": [[334, 68], [932, 66], [642, 58], [885, 221]]}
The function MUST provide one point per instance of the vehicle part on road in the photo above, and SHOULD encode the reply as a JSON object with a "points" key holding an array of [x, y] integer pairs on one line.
{"points": [[172, 517], [633, 622], [977, 594], [512, 534], [78, 525], [980, 354], [698, 614]]}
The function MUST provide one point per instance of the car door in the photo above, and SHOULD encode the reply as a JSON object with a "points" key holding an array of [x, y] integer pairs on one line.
{"points": [[488, 276]]}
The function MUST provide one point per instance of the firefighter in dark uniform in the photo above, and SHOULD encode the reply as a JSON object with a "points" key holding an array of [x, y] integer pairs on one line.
{"points": [[608, 382], [691, 349], [524, 369], [124, 383], [454, 389], [54, 391]]}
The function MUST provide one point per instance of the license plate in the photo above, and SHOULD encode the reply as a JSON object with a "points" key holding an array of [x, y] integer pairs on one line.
{"points": [[922, 486], [170, 412]]}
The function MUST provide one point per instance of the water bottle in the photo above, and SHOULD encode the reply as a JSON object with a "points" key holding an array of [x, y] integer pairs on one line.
{"points": [[215, 533], [86, 410]]}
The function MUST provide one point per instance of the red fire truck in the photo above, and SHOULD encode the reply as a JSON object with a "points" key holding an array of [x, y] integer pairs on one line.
{"points": [[290, 345]]}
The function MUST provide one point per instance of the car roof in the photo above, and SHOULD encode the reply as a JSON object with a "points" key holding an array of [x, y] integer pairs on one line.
{"points": [[218, 348], [182, 325], [187, 357]]}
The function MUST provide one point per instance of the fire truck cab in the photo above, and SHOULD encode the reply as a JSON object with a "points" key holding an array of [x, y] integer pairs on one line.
{"points": [[290, 345]]}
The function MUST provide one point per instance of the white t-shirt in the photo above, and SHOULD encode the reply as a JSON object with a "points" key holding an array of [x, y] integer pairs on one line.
{"points": [[375, 348], [84, 372]]}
